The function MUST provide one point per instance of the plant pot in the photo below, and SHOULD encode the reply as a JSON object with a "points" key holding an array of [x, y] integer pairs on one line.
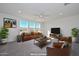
{"points": [[3, 43], [0, 42], [4, 40], [73, 39]]}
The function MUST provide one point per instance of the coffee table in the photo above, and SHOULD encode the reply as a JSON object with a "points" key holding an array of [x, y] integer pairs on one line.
{"points": [[41, 42]]}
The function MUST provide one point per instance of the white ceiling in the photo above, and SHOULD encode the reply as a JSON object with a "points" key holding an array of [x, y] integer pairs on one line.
{"points": [[36, 10]]}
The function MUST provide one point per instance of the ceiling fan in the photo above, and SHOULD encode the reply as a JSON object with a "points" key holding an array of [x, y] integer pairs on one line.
{"points": [[65, 4]]}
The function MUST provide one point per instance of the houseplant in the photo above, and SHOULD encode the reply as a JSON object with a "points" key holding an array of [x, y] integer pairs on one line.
{"points": [[3, 35], [75, 33]]}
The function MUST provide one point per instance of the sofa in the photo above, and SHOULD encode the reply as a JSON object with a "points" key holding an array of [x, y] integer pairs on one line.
{"points": [[31, 35], [58, 51], [60, 48]]}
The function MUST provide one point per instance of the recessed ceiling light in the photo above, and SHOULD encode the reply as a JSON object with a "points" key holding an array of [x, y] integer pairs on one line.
{"points": [[40, 16], [60, 13], [19, 11]]}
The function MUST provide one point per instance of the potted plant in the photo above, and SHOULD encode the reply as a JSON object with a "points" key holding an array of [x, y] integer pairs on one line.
{"points": [[3, 35], [75, 32]]}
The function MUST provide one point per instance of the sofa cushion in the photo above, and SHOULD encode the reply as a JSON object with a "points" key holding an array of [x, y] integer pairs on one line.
{"points": [[57, 45], [27, 38]]}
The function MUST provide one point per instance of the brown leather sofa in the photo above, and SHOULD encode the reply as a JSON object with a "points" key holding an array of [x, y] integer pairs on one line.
{"points": [[59, 48], [67, 39], [29, 36], [58, 51]]}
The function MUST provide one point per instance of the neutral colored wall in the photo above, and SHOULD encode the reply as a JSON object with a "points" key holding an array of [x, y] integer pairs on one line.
{"points": [[66, 24]]}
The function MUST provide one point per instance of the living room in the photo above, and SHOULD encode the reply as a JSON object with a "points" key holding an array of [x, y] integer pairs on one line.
{"points": [[34, 20]]}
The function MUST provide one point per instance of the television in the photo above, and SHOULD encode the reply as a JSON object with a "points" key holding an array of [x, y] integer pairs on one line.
{"points": [[55, 30]]}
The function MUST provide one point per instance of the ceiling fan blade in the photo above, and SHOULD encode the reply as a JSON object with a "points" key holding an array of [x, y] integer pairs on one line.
{"points": [[65, 4]]}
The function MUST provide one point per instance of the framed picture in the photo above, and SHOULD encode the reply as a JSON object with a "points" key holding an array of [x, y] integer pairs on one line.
{"points": [[9, 23]]}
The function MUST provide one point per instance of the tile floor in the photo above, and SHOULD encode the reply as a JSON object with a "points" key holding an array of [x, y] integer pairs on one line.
{"points": [[29, 49]]}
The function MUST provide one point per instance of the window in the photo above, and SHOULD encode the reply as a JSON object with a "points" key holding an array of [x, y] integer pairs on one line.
{"points": [[30, 24], [37, 25], [23, 23]]}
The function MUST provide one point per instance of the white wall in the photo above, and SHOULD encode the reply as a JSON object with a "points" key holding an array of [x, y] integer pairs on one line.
{"points": [[66, 24], [13, 32]]}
